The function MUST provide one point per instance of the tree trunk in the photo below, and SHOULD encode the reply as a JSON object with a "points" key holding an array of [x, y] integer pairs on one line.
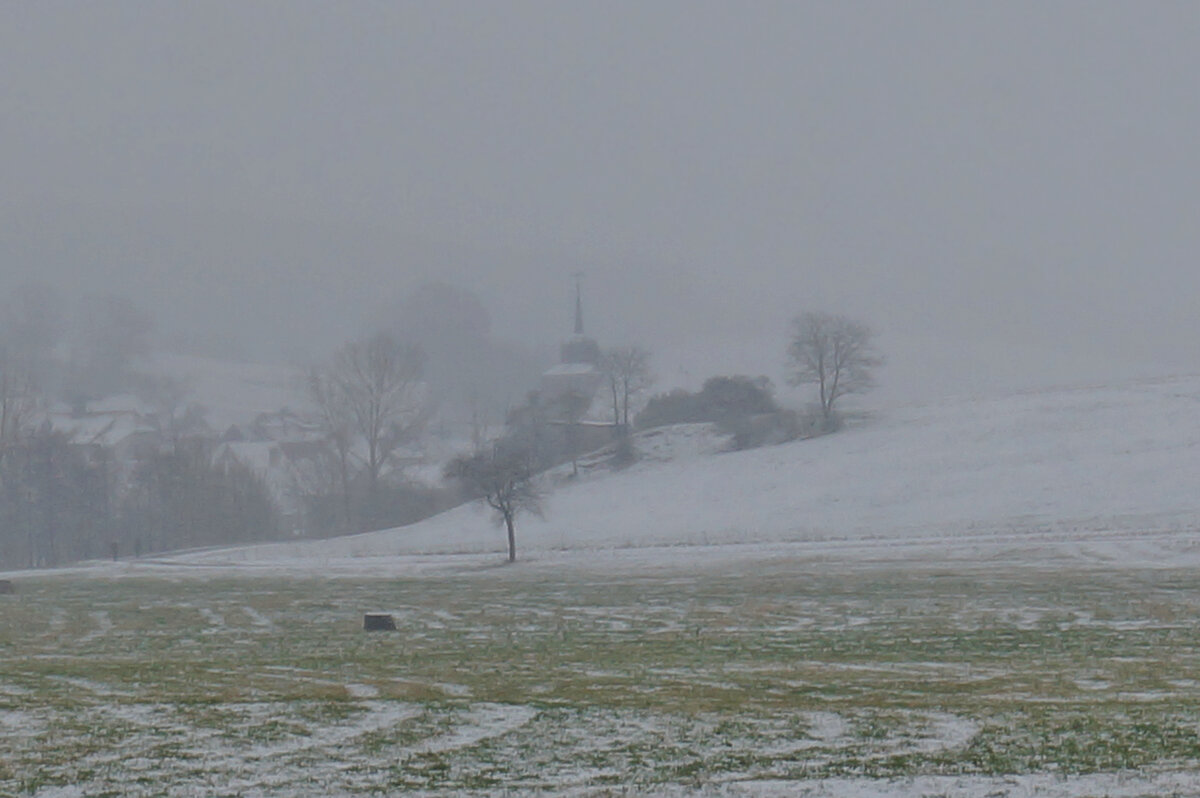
{"points": [[512, 538], [345, 478], [572, 438], [616, 408]]}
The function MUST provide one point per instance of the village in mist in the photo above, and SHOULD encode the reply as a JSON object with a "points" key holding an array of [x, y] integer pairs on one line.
{"points": [[599, 399]]}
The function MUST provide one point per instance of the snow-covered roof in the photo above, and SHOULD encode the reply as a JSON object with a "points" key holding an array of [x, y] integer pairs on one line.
{"points": [[120, 403], [254, 454], [570, 369], [106, 430]]}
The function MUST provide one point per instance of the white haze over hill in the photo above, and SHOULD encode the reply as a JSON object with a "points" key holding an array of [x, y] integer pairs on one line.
{"points": [[1102, 475], [1008, 193], [232, 392]]}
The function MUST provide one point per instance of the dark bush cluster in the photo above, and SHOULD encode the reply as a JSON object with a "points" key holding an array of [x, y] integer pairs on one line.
{"points": [[744, 407], [391, 502], [720, 399]]}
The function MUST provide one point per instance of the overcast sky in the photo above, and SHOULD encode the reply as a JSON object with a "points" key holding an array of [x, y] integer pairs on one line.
{"points": [[1007, 191]]}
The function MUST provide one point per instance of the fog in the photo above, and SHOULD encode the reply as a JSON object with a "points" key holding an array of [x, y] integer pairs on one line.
{"points": [[1006, 192]]}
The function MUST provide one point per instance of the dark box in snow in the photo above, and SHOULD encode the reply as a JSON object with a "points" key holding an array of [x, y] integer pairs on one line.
{"points": [[378, 622]]}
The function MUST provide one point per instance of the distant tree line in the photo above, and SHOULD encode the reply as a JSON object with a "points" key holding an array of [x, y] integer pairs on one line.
{"points": [[61, 501], [372, 407], [64, 497], [834, 353]]}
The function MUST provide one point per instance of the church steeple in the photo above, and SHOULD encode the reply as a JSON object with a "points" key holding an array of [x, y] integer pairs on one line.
{"points": [[579, 349], [577, 373]]}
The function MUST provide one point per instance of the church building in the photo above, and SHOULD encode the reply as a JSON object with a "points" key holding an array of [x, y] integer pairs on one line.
{"points": [[578, 371]]}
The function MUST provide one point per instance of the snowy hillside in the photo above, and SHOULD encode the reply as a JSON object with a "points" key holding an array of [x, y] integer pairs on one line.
{"points": [[1108, 469]]}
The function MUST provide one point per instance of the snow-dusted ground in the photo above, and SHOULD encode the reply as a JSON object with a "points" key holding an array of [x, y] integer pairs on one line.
{"points": [[1098, 477], [1100, 473]]}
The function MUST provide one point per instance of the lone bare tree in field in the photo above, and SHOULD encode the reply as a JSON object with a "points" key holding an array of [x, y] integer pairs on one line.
{"points": [[627, 369], [834, 352], [503, 479]]}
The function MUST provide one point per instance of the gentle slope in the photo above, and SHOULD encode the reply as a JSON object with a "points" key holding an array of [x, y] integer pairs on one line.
{"points": [[1068, 466]]}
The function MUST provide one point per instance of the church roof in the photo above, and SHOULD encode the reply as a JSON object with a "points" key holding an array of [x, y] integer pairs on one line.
{"points": [[571, 368]]}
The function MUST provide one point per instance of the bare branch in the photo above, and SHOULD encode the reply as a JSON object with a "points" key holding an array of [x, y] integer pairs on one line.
{"points": [[834, 352], [627, 369], [504, 480]]}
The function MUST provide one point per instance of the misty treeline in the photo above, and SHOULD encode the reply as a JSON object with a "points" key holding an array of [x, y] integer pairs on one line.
{"points": [[102, 456], [431, 374], [77, 483], [427, 379], [834, 353], [61, 501]]}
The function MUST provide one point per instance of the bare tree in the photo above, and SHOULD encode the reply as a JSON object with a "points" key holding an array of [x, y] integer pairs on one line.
{"points": [[834, 352], [502, 479], [372, 392], [627, 369], [379, 380], [175, 417], [571, 407], [181, 497], [30, 327], [18, 395], [334, 418]]}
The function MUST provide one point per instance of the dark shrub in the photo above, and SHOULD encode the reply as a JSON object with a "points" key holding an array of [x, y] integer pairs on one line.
{"points": [[723, 399]]}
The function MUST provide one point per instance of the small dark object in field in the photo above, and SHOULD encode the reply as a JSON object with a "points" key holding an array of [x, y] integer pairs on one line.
{"points": [[6, 587], [378, 622]]}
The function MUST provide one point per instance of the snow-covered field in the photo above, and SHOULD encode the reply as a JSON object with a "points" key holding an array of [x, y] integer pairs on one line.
{"points": [[791, 677], [1104, 474], [976, 597]]}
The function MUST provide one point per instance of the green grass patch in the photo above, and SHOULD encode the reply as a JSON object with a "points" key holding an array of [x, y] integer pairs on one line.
{"points": [[513, 678]]}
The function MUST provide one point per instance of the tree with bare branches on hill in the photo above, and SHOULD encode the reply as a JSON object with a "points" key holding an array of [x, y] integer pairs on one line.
{"points": [[834, 352]]}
